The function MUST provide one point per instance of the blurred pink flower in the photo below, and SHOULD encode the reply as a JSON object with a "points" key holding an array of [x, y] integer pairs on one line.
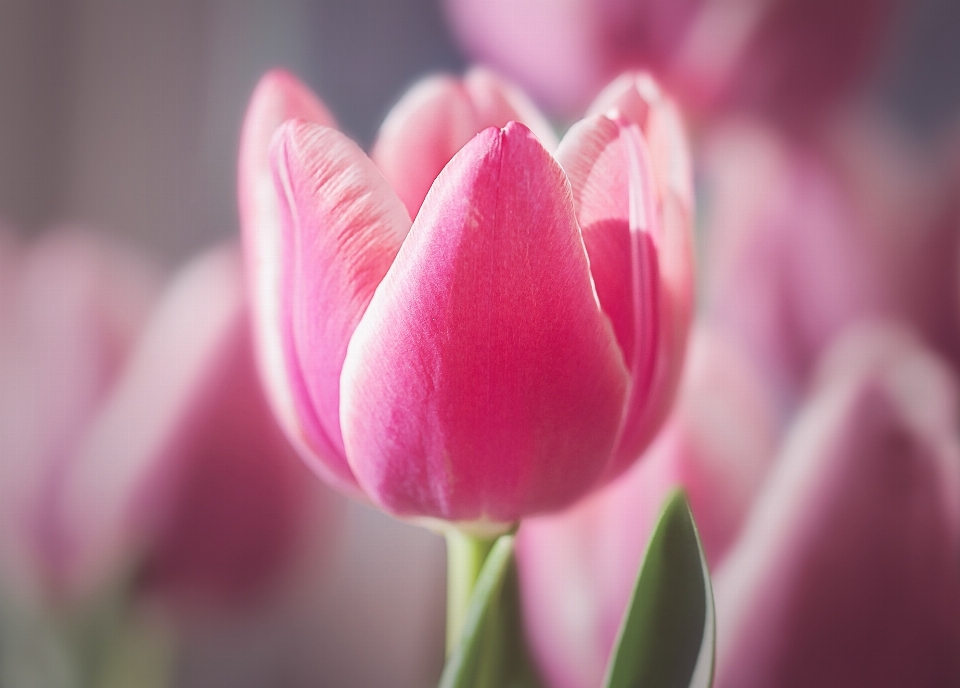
{"points": [[402, 356], [845, 570], [150, 444], [785, 58], [801, 243], [71, 308], [186, 461], [790, 262]]}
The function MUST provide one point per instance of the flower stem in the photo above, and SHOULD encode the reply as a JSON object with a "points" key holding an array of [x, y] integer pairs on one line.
{"points": [[465, 556]]}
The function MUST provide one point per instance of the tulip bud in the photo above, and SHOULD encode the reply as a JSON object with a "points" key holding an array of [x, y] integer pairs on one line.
{"points": [[512, 347], [848, 570], [790, 263], [185, 466]]}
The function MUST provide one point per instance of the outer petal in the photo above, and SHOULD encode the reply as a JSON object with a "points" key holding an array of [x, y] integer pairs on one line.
{"points": [[639, 242], [577, 568], [483, 381], [278, 97], [342, 227], [436, 118], [848, 571]]}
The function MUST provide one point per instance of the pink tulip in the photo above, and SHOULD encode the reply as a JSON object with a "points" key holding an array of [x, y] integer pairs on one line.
{"points": [[848, 571], [577, 568], [786, 58], [476, 364], [844, 571], [790, 260], [185, 465]]}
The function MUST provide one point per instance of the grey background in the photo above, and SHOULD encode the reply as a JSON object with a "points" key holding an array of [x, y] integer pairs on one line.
{"points": [[124, 114]]}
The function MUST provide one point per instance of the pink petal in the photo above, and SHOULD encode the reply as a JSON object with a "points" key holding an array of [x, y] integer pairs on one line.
{"points": [[421, 133], [848, 571], [278, 97], [483, 381], [577, 569], [637, 97], [639, 243], [436, 118], [342, 226]]}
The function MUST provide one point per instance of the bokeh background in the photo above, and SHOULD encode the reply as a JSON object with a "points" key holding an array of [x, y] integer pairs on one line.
{"points": [[125, 116]]}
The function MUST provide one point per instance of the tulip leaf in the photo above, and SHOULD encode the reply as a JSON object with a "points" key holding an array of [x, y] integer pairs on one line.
{"points": [[490, 651], [667, 636]]}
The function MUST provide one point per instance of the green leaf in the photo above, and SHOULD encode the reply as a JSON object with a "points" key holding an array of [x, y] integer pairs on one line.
{"points": [[491, 650], [667, 636]]}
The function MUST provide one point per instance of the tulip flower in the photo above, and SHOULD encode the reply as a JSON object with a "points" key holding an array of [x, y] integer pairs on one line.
{"points": [[503, 353], [785, 58], [577, 568], [846, 568], [186, 464], [803, 243], [134, 441]]}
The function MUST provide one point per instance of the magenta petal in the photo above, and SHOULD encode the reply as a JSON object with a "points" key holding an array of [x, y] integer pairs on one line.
{"points": [[848, 571], [483, 382], [344, 225], [638, 237]]}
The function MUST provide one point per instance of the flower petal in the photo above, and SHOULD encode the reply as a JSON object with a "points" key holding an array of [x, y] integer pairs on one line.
{"points": [[436, 118], [483, 381], [639, 243], [279, 96], [342, 227]]}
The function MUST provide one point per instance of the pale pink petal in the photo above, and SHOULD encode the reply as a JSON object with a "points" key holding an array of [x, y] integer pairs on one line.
{"points": [[342, 227], [577, 569], [436, 118], [484, 382], [421, 133], [498, 102], [76, 306], [278, 97], [637, 97], [639, 243], [848, 571]]}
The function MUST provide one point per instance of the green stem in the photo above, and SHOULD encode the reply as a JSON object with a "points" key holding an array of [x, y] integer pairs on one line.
{"points": [[465, 556]]}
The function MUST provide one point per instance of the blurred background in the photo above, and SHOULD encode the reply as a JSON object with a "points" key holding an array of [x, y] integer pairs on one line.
{"points": [[127, 115]]}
